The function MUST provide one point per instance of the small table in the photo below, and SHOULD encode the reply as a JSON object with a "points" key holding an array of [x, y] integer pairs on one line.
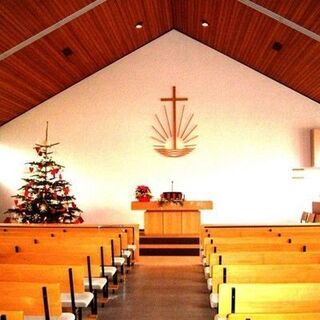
{"points": [[171, 218]]}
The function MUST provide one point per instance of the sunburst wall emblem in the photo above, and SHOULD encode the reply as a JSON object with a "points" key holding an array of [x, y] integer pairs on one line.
{"points": [[174, 138]]}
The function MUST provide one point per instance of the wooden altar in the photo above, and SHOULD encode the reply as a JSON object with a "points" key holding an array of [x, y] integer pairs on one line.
{"points": [[171, 218]]}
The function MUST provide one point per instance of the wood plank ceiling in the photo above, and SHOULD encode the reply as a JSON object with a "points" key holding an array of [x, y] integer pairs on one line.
{"points": [[107, 33]]}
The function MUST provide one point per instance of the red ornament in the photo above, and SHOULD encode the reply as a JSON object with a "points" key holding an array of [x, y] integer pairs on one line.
{"points": [[73, 205], [26, 193], [66, 191], [54, 171], [30, 169], [15, 202], [40, 166], [78, 220], [55, 195], [37, 149]]}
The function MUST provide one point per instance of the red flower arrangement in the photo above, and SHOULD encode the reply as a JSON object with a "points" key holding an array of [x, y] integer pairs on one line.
{"points": [[143, 193]]}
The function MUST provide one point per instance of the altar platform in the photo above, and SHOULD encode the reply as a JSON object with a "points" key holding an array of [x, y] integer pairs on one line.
{"points": [[171, 229]]}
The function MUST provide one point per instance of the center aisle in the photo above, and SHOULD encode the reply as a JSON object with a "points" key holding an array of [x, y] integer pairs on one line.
{"points": [[163, 291]]}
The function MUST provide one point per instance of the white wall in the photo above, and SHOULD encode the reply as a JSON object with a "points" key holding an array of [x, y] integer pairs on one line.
{"points": [[252, 132]]}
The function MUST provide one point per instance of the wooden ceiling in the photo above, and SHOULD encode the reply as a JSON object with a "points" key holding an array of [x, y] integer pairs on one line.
{"points": [[107, 33]]}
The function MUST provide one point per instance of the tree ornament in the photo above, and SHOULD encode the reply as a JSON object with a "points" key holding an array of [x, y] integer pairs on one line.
{"points": [[31, 169], [66, 191], [43, 207]]}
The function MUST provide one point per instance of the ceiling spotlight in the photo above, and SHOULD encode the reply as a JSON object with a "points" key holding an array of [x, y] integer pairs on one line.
{"points": [[204, 23], [139, 25]]}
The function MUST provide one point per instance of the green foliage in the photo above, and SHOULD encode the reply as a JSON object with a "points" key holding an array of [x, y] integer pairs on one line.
{"points": [[45, 196]]}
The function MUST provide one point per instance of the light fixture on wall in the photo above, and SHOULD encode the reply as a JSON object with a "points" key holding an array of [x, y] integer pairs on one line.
{"points": [[139, 25], [205, 23]]}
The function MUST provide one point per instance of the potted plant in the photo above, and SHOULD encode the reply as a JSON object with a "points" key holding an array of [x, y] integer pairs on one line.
{"points": [[143, 193]]}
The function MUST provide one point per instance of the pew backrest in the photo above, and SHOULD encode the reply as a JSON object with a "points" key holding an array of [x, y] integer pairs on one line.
{"points": [[12, 315], [299, 273], [261, 298], [28, 297], [49, 274], [264, 258]]}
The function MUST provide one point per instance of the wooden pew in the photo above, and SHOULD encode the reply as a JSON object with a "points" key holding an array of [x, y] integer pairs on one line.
{"points": [[255, 247], [263, 243], [111, 243], [272, 257], [71, 240], [74, 297], [274, 316], [12, 315], [66, 255], [261, 298], [258, 230], [128, 231], [28, 297], [276, 273], [210, 243], [264, 258]]}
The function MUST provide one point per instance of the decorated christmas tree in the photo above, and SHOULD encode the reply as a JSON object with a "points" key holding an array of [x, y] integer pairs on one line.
{"points": [[45, 197]]}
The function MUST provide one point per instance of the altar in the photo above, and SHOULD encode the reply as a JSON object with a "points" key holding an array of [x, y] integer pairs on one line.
{"points": [[171, 218]]}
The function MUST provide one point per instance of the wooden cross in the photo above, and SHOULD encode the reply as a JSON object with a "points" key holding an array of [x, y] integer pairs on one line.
{"points": [[174, 99]]}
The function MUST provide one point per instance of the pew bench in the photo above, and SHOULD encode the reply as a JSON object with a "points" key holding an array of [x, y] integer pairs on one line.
{"points": [[12, 315], [31, 297], [251, 247], [111, 244], [266, 298], [248, 258], [129, 232], [60, 255], [299, 273], [70, 278]]}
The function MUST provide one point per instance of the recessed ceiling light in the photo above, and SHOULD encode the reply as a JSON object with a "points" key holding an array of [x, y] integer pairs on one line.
{"points": [[204, 23], [139, 25]]}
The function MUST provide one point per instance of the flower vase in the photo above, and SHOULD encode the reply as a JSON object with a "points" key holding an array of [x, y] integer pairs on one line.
{"points": [[144, 199]]}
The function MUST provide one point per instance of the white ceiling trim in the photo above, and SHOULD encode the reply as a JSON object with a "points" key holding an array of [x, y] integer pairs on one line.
{"points": [[50, 29], [281, 19]]}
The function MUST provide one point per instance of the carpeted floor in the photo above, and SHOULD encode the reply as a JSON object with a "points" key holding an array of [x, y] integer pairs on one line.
{"points": [[166, 292]]}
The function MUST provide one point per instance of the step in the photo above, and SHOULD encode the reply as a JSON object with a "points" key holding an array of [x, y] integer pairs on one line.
{"points": [[169, 240], [169, 252], [169, 245]]}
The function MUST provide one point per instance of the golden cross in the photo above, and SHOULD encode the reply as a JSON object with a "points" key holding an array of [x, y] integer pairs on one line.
{"points": [[174, 99]]}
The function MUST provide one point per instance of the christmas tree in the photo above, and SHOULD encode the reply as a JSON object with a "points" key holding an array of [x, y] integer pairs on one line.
{"points": [[45, 196]]}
